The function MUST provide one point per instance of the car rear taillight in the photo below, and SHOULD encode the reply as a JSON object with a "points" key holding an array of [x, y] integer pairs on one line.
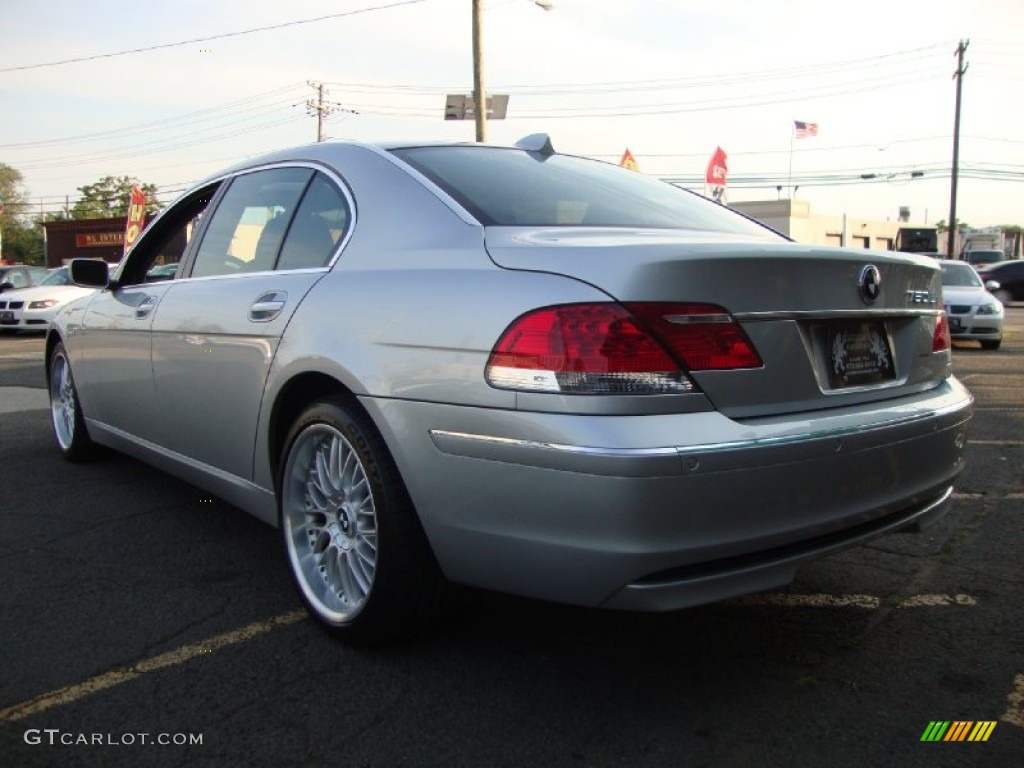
{"points": [[704, 336], [940, 339], [605, 348]]}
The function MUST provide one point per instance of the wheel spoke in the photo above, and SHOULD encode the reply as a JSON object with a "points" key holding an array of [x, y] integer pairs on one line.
{"points": [[323, 475], [361, 576]]}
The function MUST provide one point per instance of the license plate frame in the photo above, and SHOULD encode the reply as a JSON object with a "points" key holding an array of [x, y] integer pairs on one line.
{"points": [[859, 355], [7, 317]]}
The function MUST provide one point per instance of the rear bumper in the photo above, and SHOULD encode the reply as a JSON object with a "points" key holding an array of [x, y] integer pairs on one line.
{"points": [[662, 512]]}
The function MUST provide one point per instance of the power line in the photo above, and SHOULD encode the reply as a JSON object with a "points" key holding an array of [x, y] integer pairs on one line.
{"points": [[238, 106], [221, 36]]}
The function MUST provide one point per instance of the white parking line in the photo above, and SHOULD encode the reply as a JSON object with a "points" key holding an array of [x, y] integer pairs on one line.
{"points": [[116, 677], [868, 602], [1014, 713]]}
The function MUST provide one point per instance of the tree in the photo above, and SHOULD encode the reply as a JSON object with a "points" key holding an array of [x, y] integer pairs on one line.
{"points": [[22, 243], [108, 198], [13, 196], [942, 226], [21, 239]]}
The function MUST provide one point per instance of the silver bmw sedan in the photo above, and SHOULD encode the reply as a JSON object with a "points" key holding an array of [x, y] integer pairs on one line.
{"points": [[505, 367]]}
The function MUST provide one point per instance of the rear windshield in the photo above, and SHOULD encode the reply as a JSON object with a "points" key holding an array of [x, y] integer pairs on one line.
{"points": [[512, 187], [985, 257]]}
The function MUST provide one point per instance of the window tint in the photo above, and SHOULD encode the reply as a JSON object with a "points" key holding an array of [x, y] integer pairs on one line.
{"points": [[249, 224], [518, 188], [164, 241], [960, 276], [319, 224], [17, 278], [57, 277]]}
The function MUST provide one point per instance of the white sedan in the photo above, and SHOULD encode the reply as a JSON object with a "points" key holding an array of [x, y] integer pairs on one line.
{"points": [[32, 309], [974, 313]]}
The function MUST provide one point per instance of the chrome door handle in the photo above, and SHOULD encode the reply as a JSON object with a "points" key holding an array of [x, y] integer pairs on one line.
{"points": [[267, 306], [144, 307]]}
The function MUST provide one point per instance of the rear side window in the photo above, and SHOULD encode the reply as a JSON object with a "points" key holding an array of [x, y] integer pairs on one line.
{"points": [[320, 222], [512, 187]]}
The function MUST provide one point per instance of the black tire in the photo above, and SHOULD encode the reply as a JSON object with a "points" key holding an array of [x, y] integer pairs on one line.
{"points": [[1003, 296], [354, 544], [991, 344], [66, 416]]}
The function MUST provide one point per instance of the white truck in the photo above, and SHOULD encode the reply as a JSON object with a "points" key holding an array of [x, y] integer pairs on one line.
{"points": [[990, 239]]}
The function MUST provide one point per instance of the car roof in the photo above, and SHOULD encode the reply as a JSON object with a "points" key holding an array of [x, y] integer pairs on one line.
{"points": [[327, 150]]}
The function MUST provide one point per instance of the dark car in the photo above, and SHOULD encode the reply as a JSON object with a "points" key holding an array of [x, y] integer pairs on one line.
{"points": [[20, 276], [1010, 277]]}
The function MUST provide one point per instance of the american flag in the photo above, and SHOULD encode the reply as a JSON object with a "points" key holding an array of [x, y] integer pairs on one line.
{"points": [[803, 130]]}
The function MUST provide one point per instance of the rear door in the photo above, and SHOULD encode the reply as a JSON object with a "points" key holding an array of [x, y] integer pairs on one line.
{"points": [[270, 239]]}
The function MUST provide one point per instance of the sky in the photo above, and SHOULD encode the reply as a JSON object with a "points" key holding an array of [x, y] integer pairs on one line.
{"points": [[670, 80]]}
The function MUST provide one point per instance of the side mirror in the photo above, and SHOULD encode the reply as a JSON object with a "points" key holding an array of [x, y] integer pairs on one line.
{"points": [[6, 287], [992, 285], [90, 273]]}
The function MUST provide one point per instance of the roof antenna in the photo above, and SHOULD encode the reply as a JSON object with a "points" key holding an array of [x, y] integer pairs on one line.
{"points": [[536, 142]]}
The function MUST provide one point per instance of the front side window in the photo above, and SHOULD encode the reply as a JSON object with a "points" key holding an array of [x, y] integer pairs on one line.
{"points": [[512, 187], [250, 223], [163, 244]]}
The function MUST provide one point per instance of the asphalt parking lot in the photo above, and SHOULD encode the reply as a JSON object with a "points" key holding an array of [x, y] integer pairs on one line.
{"points": [[146, 623]]}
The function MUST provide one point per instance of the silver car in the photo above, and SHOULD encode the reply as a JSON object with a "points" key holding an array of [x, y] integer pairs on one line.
{"points": [[514, 369]]}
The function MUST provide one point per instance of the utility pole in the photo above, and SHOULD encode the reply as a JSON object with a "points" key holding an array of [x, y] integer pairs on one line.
{"points": [[318, 108], [479, 96], [961, 68]]}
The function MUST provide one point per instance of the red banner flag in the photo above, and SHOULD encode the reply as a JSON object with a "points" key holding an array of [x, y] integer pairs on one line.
{"points": [[714, 177], [136, 219], [628, 161]]}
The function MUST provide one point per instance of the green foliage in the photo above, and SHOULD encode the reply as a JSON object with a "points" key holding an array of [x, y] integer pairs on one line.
{"points": [[942, 226], [22, 240], [13, 195], [22, 243], [109, 196]]}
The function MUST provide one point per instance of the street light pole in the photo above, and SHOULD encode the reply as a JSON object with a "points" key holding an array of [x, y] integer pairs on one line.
{"points": [[479, 97], [479, 93]]}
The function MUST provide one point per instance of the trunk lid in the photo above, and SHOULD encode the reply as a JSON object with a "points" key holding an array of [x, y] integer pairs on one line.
{"points": [[825, 338]]}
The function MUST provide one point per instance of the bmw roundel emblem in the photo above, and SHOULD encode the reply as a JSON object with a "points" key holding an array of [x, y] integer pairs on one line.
{"points": [[870, 283]]}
